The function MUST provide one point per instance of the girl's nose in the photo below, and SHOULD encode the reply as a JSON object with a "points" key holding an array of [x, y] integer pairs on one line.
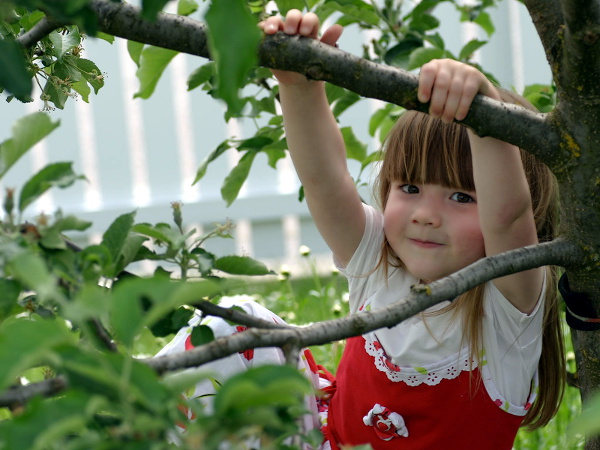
{"points": [[427, 213]]}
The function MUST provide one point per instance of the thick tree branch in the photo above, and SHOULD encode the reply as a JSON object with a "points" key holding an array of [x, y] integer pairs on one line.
{"points": [[558, 252], [41, 29], [318, 61]]}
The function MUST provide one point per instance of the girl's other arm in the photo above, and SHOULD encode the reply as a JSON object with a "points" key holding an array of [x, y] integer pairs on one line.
{"points": [[317, 147], [503, 196]]}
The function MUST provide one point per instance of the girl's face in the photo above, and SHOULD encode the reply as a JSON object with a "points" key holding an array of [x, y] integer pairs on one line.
{"points": [[433, 229]]}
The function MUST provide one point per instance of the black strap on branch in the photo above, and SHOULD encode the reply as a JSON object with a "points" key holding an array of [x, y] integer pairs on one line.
{"points": [[580, 313]]}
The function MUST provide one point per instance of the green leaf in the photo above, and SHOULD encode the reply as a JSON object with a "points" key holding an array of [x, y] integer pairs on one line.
{"points": [[64, 42], [114, 238], [163, 295], [26, 132], [469, 48], [357, 10], [241, 265], [399, 54], [345, 102], [202, 334], [42, 422], [234, 49], [285, 5], [354, 148], [485, 21], [153, 62], [135, 51], [14, 76], [30, 270], [9, 294], [172, 322], [423, 55], [186, 7], [58, 174], [83, 89], [201, 75], [151, 8], [236, 178], [26, 342], [90, 73]]}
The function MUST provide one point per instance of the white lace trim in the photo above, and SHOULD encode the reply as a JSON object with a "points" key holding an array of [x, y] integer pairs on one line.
{"points": [[430, 374], [446, 369]]}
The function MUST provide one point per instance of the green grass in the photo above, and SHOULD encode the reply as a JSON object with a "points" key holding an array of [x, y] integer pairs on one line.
{"points": [[311, 299]]}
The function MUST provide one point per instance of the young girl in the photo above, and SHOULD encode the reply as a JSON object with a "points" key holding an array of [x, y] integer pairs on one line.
{"points": [[466, 373]]}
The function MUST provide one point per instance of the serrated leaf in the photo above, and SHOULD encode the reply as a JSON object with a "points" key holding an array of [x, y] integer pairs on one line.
{"points": [[58, 174], [14, 76], [235, 179], [241, 265], [153, 62], [26, 132], [234, 49]]}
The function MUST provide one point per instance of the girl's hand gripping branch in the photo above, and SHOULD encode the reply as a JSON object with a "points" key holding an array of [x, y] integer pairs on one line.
{"points": [[297, 24]]}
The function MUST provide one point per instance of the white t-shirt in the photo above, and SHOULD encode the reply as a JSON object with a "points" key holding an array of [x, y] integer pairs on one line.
{"points": [[512, 340]]}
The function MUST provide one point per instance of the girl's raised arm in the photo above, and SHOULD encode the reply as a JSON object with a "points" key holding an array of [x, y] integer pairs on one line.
{"points": [[503, 195], [317, 147]]}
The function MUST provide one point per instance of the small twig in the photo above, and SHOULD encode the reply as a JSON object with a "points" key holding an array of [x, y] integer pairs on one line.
{"points": [[103, 336], [237, 316]]}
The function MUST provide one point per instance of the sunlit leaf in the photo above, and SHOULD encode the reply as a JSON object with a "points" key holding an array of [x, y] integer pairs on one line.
{"points": [[153, 62], [234, 49], [57, 174], [241, 265], [26, 132], [236, 178]]}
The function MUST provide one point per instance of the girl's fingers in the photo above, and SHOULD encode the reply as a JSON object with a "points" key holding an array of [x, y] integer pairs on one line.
{"points": [[332, 34], [292, 21], [271, 25]]}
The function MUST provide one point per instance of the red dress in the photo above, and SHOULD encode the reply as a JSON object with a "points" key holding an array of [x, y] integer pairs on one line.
{"points": [[456, 413]]}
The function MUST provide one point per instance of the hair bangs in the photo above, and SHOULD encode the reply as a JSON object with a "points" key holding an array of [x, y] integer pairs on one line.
{"points": [[424, 150]]}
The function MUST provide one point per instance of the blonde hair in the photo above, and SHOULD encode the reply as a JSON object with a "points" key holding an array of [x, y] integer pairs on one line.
{"points": [[424, 150]]}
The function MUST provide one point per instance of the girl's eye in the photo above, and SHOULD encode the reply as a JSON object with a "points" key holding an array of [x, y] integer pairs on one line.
{"points": [[410, 188], [461, 197]]}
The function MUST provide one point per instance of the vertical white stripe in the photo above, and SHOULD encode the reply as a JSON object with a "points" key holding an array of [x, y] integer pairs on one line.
{"points": [[39, 159], [243, 238], [516, 38], [86, 139], [291, 236], [184, 129], [140, 181]]}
